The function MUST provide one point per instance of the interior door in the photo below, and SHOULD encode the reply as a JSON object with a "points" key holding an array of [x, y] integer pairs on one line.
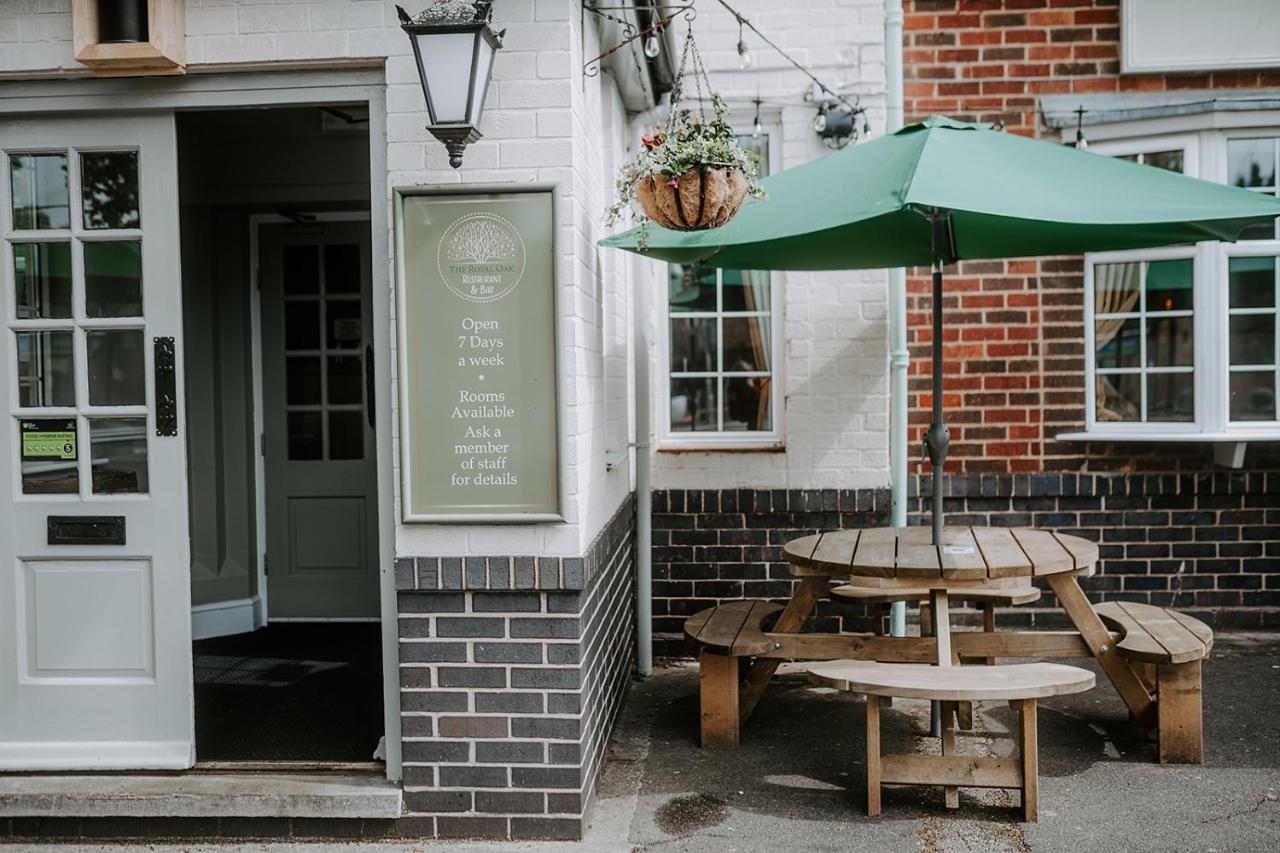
{"points": [[321, 471], [95, 633]]}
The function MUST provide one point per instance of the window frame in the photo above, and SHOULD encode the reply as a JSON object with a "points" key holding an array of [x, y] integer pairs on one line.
{"points": [[1205, 156], [711, 440]]}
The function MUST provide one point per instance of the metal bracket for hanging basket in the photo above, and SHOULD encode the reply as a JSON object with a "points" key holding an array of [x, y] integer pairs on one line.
{"points": [[664, 13]]}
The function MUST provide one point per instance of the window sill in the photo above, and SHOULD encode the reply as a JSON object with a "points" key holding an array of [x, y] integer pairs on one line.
{"points": [[1270, 433], [734, 447]]}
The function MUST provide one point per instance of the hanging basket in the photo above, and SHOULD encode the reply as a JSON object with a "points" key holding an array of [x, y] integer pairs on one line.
{"points": [[702, 198]]}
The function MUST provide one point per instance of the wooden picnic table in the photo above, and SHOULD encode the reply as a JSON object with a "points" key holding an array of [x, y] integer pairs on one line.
{"points": [[969, 559]]}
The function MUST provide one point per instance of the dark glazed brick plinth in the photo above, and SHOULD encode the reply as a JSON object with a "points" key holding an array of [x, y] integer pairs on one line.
{"points": [[1207, 543]]}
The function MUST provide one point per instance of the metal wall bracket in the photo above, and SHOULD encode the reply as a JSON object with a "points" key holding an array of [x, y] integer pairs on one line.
{"points": [[662, 15]]}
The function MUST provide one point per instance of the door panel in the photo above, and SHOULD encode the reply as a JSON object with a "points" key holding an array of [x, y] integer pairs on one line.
{"points": [[321, 475], [95, 634]]}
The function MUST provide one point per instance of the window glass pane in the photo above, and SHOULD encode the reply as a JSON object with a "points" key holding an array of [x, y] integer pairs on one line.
{"points": [[305, 435], [1171, 397], [42, 278], [1170, 342], [1115, 288], [691, 289], [1119, 397], [109, 189], [1171, 160], [302, 325], [119, 447], [1261, 231], [346, 435], [693, 404], [1169, 285], [1118, 342], [346, 384], [1251, 162], [342, 269], [1253, 339], [48, 451], [302, 380], [300, 268], [113, 279], [1252, 282], [46, 369], [693, 345], [746, 344], [745, 290], [746, 403], [1253, 396], [39, 188], [117, 373], [345, 330]]}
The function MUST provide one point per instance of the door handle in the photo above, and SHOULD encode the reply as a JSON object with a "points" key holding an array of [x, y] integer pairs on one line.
{"points": [[368, 385], [166, 384]]}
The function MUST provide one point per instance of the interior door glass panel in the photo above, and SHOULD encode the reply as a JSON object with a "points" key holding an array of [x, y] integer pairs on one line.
{"points": [[109, 189], [302, 325], [345, 380], [344, 327], [46, 369], [306, 436], [342, 268], [300, 270], [48, 450], [113, 279], [346, 435], [117, 367], [119, 454], [40, 194], [302, 380], [42, 280]]}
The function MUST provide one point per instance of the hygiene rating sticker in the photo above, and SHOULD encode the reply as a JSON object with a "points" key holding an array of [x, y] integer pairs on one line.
{"points": [[48, 439]]}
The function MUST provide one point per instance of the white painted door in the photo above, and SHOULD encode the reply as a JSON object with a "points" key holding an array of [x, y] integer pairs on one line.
{"points": [[321, 469], [95, 632]]}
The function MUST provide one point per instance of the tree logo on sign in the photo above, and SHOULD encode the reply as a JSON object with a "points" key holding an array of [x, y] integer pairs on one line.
{"points": [[481, 257]]}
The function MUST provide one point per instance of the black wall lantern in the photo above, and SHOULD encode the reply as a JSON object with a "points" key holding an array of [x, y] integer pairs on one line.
{"points": [[454, 46], [122, 21]]}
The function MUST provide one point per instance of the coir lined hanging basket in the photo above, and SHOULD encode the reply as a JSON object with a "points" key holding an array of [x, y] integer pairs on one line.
{"points": [[703, 197]]}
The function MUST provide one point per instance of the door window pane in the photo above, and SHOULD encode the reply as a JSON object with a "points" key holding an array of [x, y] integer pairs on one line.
{"points": [[693, 404], [306, 435], [1171, 397], [48, 450], [346, 383], [300, 270], [346, 435], [302, 325], [117, 373], [746, 403], [109, 189], [1253, 396], [42, 279], [39, 188], [345, 329], [113, 279], [46, 369], [342, 269], [119, 447], [302, 380], [693, 344]]}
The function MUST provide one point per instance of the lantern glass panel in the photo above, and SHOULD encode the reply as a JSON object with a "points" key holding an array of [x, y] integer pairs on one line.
{"points": [[446, 68], [484, 67]]}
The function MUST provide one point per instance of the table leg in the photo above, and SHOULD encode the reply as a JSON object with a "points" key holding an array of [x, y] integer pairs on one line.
{"points": [[951, 793], [1130, 687], [802, 602], [873, 755], [1028, 749]]}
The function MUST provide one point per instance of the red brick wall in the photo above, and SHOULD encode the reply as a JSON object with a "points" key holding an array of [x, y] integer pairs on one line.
{"points": [[1015, 336]]}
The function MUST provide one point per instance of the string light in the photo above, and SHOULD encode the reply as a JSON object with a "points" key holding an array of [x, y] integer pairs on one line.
{"points": [[652, 47], [757, 129], [1082, 144], [745, 59]]}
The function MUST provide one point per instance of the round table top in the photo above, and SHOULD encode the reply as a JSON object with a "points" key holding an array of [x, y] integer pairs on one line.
{"points": [[966, 553]]}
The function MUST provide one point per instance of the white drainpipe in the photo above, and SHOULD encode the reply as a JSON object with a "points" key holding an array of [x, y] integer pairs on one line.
{"points": [[644, 497], [898, 354]]}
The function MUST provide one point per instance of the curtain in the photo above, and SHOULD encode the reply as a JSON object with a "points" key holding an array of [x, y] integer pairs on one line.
{"points": [[1115, 291], [756, 295]]}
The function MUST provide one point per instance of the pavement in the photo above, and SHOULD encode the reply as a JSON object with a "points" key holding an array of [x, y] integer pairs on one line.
{"points": [[797, 781]]}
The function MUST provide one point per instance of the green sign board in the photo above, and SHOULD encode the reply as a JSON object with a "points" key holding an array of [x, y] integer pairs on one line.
{"points": [[478, 357], [48, 439]]}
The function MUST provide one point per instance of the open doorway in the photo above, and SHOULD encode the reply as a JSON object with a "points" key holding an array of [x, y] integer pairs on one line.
{"points": [[277, 294]]}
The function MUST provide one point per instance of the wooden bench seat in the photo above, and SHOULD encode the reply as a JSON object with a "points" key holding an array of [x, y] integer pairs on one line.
{"points": [[887, 595], [1019, 684], [733, 628], [1166, 649]]}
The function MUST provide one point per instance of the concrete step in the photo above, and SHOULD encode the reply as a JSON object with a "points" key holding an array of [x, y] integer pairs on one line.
{"points": [[200, 794]]}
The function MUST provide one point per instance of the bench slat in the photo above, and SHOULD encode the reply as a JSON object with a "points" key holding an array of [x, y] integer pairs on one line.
{"points": [[1001, 553], [733, 628], [1173, 637], [722, 628], [967, 771], [1046, 553], [1156, 634]]}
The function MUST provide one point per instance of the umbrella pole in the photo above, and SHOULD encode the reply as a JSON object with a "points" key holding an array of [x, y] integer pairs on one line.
{"points": [[938, 438]]}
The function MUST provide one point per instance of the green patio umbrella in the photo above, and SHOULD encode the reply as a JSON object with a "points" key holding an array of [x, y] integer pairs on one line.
{"points": [[942, 190]]}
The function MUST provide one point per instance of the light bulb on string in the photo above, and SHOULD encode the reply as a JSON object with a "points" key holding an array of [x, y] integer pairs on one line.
{"points": [[757, 129], [820, 121], [745, 59], [652, 47]]}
